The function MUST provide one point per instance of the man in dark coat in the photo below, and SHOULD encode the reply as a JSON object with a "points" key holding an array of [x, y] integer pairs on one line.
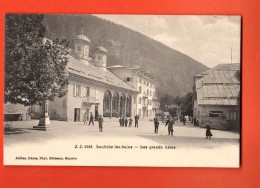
{"points": [[100, 123], [126, 121], [91, 119], [184, 120], [136, 120], [156, 124], [123, 121], [170, 123], [130, 122], [120, 121]]}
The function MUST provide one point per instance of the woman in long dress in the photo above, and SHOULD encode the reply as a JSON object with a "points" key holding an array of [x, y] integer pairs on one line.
{"points": [[208, 132]]}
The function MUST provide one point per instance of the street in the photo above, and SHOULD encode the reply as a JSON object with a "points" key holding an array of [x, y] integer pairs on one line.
{"points": [[119, 146]]}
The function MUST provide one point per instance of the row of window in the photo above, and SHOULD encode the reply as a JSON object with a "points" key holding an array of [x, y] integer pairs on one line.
{"points": [[145, 82], [80, 91], [149, 102], [232, 114], [146, 113], [148, 92]]}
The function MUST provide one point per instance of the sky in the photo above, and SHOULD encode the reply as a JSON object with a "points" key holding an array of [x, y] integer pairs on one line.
{"points": [[211, 40]]}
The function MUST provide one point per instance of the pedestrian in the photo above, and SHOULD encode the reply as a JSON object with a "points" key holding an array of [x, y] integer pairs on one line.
{"points": [[85, 117], [123, 121], [208, 132], [170, 123], [184, 120], [130, 122], [197, 123], [126, 121], [156, 124], [120, 121], [100, 123], [136, 121], [91, 119]]}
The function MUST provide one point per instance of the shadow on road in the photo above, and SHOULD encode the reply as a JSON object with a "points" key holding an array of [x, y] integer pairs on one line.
{"points": [[191, 142], [12, 130]]}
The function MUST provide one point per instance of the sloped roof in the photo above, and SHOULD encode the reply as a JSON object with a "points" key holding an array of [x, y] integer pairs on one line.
{"points": [[219, 85], [96, 74], [116, 66]]}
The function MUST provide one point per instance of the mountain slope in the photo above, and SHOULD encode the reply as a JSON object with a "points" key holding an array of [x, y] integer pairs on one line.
{"points": [[173, 70]]}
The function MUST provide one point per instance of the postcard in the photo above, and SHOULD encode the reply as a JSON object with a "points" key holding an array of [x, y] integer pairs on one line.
{"points": [[122, 90]]}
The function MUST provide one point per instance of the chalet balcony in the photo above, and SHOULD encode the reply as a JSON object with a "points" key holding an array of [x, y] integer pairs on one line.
{"points": [[90, 100]]}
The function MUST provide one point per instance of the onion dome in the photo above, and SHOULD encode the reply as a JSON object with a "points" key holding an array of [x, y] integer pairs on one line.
{"points": [[82, 37], [101, 50]]}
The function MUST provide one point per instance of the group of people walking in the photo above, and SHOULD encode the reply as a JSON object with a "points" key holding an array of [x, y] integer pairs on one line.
{"points": [[91, 120], [170, 121], [123, 121]]}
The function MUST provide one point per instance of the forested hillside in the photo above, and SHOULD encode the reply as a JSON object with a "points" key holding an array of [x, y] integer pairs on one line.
{"points": [[173, 70]]}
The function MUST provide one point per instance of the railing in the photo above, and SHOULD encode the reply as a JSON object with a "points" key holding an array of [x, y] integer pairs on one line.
{"points": [[145, 95], [90, 99]]}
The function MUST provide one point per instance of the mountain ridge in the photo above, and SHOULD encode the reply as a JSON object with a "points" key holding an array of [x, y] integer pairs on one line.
{"points": [[172, 69]]}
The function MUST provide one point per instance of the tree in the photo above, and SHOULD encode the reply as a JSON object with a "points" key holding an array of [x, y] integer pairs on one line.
{"points": [[34, 66], [173, 109], [187, 106], [178, 101]]}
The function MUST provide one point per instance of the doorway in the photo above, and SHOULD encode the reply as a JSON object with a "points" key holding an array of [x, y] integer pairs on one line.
{"points": [[96, 113], [76, 114]]}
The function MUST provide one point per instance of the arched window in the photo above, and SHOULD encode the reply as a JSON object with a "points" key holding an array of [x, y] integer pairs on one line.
{"points": [[106, 104]]}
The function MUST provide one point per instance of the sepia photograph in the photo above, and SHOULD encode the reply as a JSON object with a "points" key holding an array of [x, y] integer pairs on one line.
{"points": [[122, 90]]}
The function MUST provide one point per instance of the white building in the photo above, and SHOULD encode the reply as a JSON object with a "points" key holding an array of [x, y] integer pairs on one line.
{"points": [[145, 104], [92, 87]]}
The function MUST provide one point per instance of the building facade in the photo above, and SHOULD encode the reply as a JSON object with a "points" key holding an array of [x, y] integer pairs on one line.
{"points": [[95, 88], [217, 97], [145, 103]]}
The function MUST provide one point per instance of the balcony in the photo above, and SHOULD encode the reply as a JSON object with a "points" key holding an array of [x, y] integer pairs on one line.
{"points": [[155, 98], [145, 95], [90, 100], [145, 105], [156, 105]]}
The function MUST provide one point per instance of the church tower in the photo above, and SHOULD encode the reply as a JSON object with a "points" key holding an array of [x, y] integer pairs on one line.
{"points": [[100, 57], [81, 48]]}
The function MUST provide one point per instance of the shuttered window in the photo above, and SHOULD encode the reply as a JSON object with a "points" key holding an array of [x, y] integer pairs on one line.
{"points": [[77, 90]]}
